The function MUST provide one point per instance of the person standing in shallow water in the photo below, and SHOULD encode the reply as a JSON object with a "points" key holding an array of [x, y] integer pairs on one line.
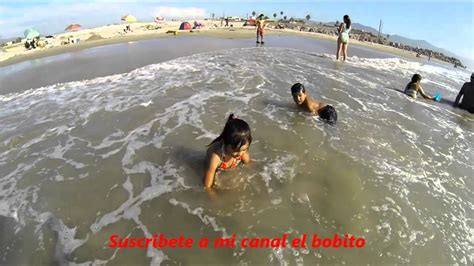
{"points": [[467, 94], [260, 23], [228, 150], [343, 39]]}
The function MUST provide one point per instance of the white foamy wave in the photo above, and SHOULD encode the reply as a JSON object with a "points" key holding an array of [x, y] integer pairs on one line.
{"points": [[138, 138]]}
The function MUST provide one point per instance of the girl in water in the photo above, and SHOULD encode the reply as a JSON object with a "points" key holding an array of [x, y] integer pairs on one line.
{"points": [[413, 88], [343, 39], [228, 150]]}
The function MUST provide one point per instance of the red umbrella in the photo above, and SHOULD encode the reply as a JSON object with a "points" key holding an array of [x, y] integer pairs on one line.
{"points": [[159, 19], [73, 27]]}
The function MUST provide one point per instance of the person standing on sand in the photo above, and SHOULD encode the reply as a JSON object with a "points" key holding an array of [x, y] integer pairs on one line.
{"points": [[467, 94], [343, 39], [260, 23]]}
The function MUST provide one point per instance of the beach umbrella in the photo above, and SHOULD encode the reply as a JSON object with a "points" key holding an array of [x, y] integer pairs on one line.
{"points": [[159, 19], [73, 27], [31, 33], [129, 18], [250, 22]]}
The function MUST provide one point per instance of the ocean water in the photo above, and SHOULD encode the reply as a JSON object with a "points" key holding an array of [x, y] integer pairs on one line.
{"points": [[123, 154]]}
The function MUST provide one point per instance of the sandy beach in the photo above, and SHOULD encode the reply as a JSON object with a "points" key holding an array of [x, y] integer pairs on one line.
{"points": [[107, 137], [113, 34]]}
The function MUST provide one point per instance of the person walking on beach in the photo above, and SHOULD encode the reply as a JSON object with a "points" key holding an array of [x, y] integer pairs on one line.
{"points": [[467, 94], [303, 100], [260, 23], [228, 150], [413, 88], [343, 39]]}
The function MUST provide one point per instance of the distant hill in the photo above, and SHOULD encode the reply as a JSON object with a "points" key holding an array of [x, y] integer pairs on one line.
{"points": [[358, 26], [3, 40], [420, 43]]}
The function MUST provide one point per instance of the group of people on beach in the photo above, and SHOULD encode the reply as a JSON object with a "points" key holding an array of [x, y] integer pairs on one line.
{"points": [[33, 43], [414, 86], [464, 99], [342, 40], [231, 148]]}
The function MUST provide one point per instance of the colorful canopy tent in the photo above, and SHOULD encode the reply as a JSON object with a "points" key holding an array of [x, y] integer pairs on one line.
{"points": [[159, 19], [73, 27], [250, 22], [31, 33], [129, 18], [185, 26]]}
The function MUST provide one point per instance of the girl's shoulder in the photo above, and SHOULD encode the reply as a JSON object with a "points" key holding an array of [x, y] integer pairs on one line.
{"points": [[214, 148]]}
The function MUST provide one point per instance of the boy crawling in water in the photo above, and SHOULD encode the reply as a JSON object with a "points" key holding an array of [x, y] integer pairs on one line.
{"points": [[304, 101]]}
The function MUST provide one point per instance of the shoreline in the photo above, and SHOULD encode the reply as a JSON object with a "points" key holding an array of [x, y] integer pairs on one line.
{"points": [[224, 33]]}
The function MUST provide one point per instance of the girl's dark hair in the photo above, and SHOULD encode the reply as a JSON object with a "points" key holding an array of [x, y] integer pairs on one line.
{"points": [[297, 87], [329, 114], [347, 21], [415, 78], [236, 133]]}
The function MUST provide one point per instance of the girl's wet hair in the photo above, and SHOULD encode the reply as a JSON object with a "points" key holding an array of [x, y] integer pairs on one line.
{"points": [[347, 21], [328, 114], [415, 78], [297, 88], [236, 133]]}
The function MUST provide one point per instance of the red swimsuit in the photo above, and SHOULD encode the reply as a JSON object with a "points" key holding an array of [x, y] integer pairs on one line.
{"points": [[224, 166]]}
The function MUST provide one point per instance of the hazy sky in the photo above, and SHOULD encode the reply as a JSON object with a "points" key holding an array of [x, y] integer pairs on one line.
{"points": [[446, 24]]}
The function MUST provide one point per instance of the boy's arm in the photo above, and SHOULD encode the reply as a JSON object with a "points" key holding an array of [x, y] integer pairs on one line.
{"points": [[313, 106], [213, 163]]}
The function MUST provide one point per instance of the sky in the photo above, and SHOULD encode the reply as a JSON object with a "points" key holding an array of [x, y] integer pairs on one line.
{"points": [[446, 24]]}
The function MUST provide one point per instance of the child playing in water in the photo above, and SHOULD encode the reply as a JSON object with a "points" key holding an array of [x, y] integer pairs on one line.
{"points": [[325, 112], [260, 23], [229, 149], [413, 87]]}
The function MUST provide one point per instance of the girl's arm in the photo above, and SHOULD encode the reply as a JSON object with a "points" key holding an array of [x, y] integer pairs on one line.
{"points": [[341, 28], [426, 96], [246, 157], [212, 165]]}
